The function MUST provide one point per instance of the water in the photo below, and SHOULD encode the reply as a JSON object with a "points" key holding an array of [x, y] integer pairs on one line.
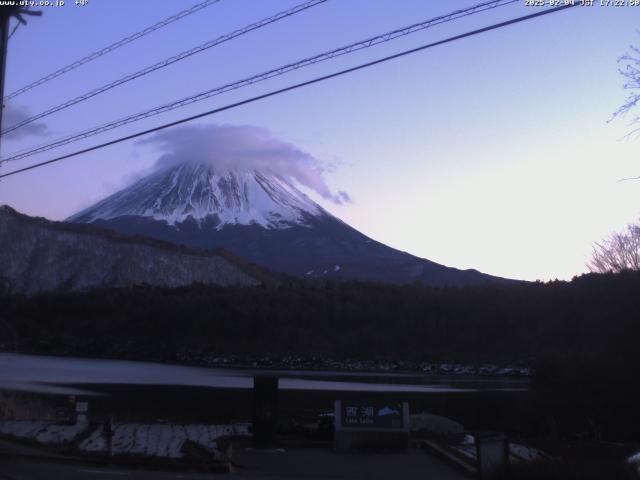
{"points": [[67, 375]]}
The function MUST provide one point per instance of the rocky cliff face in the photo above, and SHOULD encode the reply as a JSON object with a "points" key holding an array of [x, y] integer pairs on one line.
{"points": [[38, 255]]}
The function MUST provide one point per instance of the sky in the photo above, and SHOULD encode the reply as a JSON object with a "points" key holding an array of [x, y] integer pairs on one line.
{"points": [[491, 152]]}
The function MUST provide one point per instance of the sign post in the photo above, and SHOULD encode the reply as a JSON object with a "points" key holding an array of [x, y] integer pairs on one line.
{"points": [[82, 408], [493, 454], [265, 411], [107, 433], [371, 425]]}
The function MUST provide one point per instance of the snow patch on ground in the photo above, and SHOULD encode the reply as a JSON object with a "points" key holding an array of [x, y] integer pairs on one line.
{"points": [[522, 453], [517, 452], [48, 433], [161, 440], [634, 459], [153, 440]]}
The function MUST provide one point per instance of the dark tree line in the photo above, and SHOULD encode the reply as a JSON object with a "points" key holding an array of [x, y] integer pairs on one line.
{"points": [[593, 315], [581, 337]]}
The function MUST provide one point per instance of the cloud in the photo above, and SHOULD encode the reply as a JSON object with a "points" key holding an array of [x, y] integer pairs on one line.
{"points": [[242, 148], [13, 114]]}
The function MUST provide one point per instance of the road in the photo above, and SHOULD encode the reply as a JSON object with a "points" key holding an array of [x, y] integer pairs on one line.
{"points": [[313, 464], [29, 469]]}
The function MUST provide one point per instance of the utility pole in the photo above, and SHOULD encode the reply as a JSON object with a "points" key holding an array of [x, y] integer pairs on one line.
{"points": [[6, 12]]}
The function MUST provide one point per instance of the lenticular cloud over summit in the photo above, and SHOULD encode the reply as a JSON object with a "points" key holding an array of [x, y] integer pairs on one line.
{"points": [[242, 148], [232, 187]]}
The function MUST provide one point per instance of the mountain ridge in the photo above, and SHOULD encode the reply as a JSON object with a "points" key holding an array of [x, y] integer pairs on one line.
{"points": [[265, 219], [43, 255]]}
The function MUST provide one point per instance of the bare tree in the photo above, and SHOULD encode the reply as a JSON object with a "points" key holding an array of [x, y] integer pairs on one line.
{"points": [[619, 252], [629, 68]]}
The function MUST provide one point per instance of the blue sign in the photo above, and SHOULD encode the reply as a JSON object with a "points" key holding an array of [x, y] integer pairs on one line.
{"points": [[372, 415]]}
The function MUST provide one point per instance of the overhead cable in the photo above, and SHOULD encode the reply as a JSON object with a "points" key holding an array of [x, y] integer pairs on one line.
{"points": [[166, 62], [367, 43], [114, 46], [292, 87]]}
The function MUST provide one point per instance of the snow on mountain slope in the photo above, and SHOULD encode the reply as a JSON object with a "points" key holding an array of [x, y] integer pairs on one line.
{"points": [[263, 218], [38, 255], [196, 190]]}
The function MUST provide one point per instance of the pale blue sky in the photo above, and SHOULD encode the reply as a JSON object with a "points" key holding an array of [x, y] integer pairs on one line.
{"points": [[492, 152]]}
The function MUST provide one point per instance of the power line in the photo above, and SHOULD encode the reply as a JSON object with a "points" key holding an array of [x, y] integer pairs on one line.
{"points": [[294, 87], [168, 61], [120, 43], [367, 43]]}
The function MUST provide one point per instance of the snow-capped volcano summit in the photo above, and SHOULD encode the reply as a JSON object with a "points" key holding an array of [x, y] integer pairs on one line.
{"points": [[262, 217], [199, 192]]}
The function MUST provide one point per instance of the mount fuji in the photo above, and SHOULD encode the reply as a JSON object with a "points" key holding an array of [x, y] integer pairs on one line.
{"points": [[262, 217]]}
